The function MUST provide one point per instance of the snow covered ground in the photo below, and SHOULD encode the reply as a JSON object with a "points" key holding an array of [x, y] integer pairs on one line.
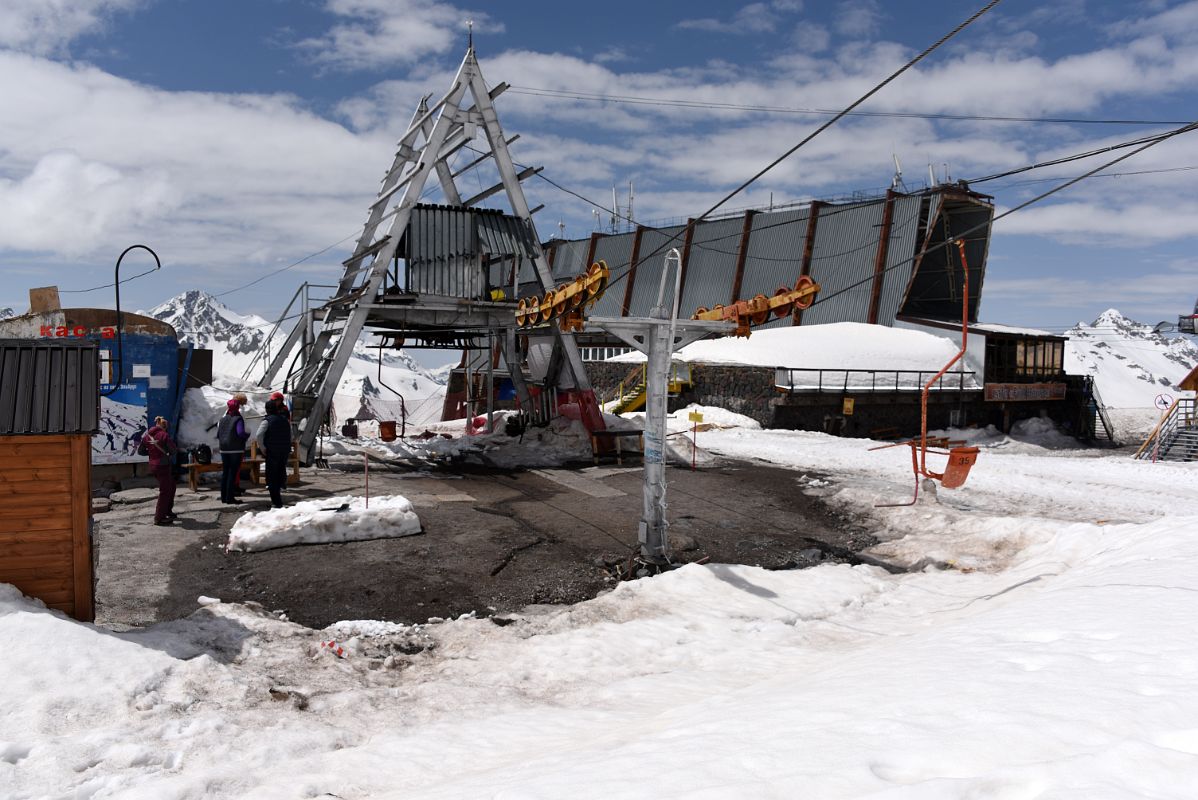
{"points": [[1046, 650]]}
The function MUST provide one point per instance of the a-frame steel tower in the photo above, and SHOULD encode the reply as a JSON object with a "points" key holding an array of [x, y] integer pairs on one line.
{"points": [[371, 294]]}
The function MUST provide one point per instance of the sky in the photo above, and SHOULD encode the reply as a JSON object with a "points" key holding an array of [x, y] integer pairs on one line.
{"points": [[239, 138]]}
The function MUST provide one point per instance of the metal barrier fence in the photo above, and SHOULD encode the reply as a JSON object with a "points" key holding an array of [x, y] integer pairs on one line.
{"points": [[807, 379]]}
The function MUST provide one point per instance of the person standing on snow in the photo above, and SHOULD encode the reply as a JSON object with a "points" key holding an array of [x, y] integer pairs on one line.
{"points": [[231, 434], [161, 450], [274, 439]]}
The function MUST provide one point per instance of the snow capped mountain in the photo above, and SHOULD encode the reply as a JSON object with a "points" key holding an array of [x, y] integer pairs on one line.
{"points": [[234, 339], [1130, 363], [397, 388]]}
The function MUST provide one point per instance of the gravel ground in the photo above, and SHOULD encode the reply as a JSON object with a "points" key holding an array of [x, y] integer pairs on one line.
{"points": [[493, 542]]}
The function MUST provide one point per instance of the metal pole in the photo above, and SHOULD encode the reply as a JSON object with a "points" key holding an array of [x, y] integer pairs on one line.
{"points": [[653, 527]]}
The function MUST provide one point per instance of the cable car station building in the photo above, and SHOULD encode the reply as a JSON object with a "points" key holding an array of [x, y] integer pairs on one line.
{"points": [[884, 261]]}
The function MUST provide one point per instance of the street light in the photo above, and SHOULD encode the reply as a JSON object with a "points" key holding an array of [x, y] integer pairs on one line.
{"points": [[118, 372]]}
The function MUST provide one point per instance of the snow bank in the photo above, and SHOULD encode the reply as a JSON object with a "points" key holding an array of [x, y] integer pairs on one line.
{"points": [[333, 519]]}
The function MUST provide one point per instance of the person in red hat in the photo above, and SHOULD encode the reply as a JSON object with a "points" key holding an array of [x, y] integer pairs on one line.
{"points": [[282, 405], [232, 435]]}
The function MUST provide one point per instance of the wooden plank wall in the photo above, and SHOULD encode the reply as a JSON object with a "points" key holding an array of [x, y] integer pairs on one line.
{"points": [[45, 510]]}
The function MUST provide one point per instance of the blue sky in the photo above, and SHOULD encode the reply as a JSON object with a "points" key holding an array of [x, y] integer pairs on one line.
{"points": [[236, 138]]}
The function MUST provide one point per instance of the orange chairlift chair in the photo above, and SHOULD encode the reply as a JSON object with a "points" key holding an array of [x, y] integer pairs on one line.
{"points": [[960, 459]]}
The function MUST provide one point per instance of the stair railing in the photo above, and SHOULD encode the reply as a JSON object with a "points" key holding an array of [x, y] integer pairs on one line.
{"points": [[1162, 436]]}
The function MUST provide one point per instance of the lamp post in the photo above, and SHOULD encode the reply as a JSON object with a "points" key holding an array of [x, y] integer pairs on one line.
{"points": [[118, 372]]}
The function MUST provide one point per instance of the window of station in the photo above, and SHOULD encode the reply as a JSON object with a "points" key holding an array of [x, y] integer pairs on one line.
{"points": [[1024, 359]]}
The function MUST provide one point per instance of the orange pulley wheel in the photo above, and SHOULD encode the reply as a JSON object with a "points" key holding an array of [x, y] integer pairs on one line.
{"points": [[784, 309], [759, 309], [803, 303], [547, 306]]}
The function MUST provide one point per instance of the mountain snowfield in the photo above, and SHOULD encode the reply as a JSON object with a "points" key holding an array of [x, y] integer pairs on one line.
{"points": [[236, 340], [1131, 366]]}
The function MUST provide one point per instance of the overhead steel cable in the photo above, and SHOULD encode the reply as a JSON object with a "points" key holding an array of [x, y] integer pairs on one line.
{"points": [[791, 151], [1078, 156], [932, 115]]}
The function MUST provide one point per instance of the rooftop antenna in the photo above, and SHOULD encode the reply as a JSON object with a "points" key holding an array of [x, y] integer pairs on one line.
{"points": [[897, 180], [931, 176], [615, 211], [561, 229], [470, 34], [629, 215], [595, 214]]}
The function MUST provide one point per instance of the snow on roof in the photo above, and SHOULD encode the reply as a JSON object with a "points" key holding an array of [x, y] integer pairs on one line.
{"points": [[994, 327], [840, 346]]}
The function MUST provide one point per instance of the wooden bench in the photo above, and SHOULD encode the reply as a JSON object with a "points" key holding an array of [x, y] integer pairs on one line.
{"points": [[249, 466], [604, 442], [293, 461]]}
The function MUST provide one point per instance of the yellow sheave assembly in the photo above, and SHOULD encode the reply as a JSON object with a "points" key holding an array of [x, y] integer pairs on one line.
{"points": [[565, 299]]}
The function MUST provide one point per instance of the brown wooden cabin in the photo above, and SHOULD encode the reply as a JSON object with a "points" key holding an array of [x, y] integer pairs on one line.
{"points": [[49, 409]]}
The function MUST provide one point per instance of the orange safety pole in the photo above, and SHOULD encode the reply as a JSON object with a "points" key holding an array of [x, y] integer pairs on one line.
{"points": [[923, 423]]}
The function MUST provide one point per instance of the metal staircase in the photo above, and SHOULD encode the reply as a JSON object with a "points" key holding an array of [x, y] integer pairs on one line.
{"points": [[1101, 427], [366, 297], [631, 393], [1175, 438]]}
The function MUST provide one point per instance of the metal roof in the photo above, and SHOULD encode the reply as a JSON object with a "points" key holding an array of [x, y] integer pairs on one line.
{"points": [[48, 388]]}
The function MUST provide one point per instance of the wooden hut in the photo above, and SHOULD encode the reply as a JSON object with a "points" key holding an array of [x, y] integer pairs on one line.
{"points": [[49, 409]]}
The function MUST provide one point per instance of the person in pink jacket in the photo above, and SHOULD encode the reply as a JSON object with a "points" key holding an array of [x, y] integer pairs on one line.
{"points": [[161, 448]]}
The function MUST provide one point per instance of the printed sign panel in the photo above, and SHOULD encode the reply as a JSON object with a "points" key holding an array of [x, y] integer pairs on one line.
{"points": [[1024, 392]]}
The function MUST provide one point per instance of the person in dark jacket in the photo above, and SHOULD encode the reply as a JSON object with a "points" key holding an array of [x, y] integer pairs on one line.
{"points": [[274, 439], [231, 434], [282, 404], [162, 452]]}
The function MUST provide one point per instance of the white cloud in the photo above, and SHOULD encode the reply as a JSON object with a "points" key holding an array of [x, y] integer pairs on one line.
{"points": [[811, 37], [763, 17], [47, 26], [1113, 221], [206, 179], [69, 206], [859, 18], [383, 33]]}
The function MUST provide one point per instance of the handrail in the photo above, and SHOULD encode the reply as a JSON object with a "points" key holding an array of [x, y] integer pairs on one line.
{"points": [[1166, 425], [873, 374]]}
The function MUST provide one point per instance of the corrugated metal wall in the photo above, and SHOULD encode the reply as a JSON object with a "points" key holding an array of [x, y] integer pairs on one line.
{"points": [[846, 244], [650, 262], [48, 388], [569, 260], [775, 255], [443, 252], [710, 268], [445, 247], [904, 235], [617, 252]]}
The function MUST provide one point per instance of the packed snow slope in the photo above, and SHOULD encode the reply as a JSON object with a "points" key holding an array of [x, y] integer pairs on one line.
{"points": [[365, 390], [1045, 650]]}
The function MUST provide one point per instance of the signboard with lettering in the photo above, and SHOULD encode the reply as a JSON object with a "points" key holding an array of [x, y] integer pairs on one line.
{"points": [[847, 406], [1024, 392]]}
